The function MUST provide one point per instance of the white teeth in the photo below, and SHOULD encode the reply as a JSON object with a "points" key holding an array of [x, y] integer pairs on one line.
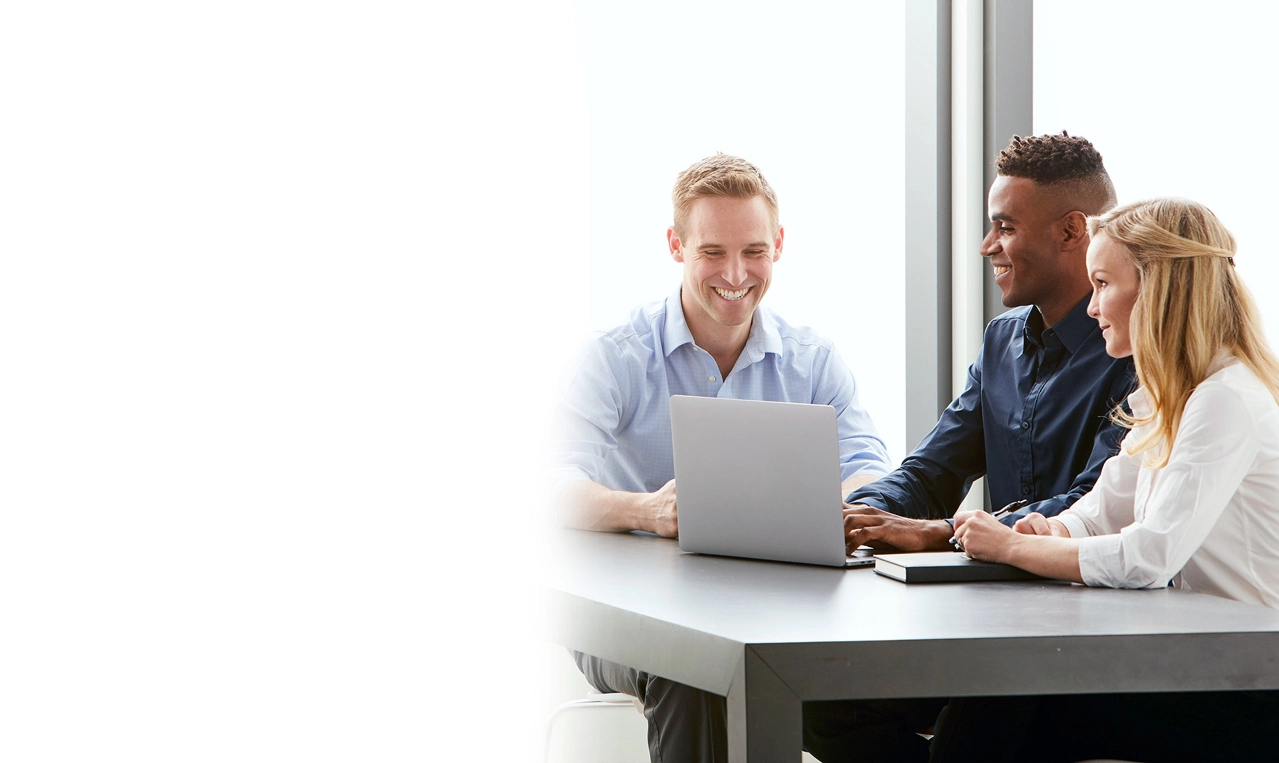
{"points": [[731, 295], [1001, 269]]}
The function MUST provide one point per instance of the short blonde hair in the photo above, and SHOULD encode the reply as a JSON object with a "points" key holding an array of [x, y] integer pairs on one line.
{"points": [[723, 176], [1191, 304]]}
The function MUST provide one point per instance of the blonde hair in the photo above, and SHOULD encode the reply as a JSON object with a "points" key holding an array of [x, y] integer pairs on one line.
{"points": [[1191, 304], [723, 176]]}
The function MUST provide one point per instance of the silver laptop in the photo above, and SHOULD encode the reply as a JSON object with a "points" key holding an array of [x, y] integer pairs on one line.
{"points": [[760, 480]]}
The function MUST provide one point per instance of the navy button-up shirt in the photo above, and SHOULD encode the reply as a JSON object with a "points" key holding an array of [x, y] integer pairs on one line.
{"points": [[1034, 419]]}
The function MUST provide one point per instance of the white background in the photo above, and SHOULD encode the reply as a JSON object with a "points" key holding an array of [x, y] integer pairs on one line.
{"points": [[1178, 96], [280, 281], [285, 291]]}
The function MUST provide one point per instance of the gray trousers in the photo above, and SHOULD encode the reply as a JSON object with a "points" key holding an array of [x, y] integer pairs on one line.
{"points": [[684, 724]]}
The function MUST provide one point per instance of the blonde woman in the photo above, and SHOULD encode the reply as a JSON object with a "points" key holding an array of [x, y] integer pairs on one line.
{"points": [[1192, 498]]}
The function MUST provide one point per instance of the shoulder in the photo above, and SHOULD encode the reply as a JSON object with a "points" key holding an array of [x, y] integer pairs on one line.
{"points": [[637, 342], [1233, 392], [1228, 409], [1009, 323], [640, 335]]}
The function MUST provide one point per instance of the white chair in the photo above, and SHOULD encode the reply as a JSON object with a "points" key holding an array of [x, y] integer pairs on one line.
{"points": [[594, 702]]}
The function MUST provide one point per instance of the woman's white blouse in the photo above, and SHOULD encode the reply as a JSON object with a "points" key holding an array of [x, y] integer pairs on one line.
{"points": [[1208, 521]]}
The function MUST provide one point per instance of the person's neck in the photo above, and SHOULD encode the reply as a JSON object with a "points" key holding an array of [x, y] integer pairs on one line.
{"points": [[724, 343], [1054, 312]]}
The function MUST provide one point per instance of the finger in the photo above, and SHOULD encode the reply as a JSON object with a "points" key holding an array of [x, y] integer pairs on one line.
{"points": [[1028, 526], [873, 537], [1033, 524], [853, 522], [860, 510]]}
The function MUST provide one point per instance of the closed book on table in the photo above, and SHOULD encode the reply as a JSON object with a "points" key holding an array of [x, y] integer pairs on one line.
{"points": [[945, 567]]}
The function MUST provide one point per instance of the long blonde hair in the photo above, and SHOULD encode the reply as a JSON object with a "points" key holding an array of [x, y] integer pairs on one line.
{"points": [[1191, 305]]}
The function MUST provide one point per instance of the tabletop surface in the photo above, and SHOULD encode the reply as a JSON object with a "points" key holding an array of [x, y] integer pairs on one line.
{"points": [[758, 602], [638, 599]]}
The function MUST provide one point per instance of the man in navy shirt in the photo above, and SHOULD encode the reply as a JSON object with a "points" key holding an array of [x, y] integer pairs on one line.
{"points": [[1033, 417]]}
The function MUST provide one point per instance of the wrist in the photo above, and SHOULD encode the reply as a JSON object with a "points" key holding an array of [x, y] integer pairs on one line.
{"points": [[1016, 550], [938, 533], [640, 513]]}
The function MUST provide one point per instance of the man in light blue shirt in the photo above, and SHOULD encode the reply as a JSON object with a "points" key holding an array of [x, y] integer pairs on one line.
{"points": [[613, 460]]}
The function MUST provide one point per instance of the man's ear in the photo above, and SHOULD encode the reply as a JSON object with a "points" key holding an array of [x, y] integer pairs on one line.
{"points": [[777, 245], [1073, 230], [672, 242]]}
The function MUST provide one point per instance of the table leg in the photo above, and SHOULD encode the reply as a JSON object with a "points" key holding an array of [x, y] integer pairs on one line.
{"points": [[765, 718]]}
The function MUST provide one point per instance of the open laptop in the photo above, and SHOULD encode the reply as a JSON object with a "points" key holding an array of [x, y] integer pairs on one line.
{"points": [[759, 479]]}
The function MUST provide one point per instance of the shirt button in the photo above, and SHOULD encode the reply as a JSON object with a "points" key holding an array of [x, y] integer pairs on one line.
{"points": [[710, 378], [1025, 490], [1025, 425]]}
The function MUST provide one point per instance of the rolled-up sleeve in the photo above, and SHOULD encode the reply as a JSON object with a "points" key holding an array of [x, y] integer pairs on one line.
{"points": [[591, 407], [1216, 445], [861, 449], [1109, 505]]}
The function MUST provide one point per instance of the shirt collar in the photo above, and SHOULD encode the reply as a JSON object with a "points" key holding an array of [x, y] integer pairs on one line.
{"points": [[1071, 331], [674, 328], [763, 338]]}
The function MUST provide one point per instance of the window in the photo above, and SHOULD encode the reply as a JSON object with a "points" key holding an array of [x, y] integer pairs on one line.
{"points": [[811, 95]]}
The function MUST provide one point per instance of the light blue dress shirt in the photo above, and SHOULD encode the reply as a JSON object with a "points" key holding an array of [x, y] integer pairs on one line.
{"points": [[615, 414]]}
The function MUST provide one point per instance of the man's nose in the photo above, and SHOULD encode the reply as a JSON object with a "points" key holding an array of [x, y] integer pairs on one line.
{"points": [[989, 244], [735, 270]]}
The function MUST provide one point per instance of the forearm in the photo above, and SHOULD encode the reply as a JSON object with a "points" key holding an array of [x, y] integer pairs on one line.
{"points": [[856, 481], [591, 506], [1049, 556], [911, 490]]}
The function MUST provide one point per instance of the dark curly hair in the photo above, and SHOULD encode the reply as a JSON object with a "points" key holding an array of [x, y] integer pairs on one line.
{"points": [[1060, 160], [1049, 159]]}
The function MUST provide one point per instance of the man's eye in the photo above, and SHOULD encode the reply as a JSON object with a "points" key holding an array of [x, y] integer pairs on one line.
{"points": [[755, 252], [1005, 229]]}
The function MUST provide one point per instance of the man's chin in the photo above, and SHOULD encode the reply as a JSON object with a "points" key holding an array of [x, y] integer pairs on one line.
{"points": [[1009, 299], [734, 315]]}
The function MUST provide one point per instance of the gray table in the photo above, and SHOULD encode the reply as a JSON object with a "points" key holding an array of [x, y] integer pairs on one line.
{"points": [[770, 635]]}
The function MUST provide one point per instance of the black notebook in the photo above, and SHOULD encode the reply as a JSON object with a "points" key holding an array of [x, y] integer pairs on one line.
{"points": [[944, 567]]}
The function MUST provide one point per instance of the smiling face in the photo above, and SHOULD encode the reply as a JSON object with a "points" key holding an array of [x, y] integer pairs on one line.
{"points": [[1026, 251], [728, 250], [1115, 285]]}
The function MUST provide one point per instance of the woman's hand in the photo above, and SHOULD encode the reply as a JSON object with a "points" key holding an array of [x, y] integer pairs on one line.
{"points": [[984, 537], [1038, 524]]}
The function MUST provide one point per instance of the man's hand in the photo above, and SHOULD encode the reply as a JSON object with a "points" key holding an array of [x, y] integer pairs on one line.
{"points": [[659, 512], [591, 506], [886, 531]]}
